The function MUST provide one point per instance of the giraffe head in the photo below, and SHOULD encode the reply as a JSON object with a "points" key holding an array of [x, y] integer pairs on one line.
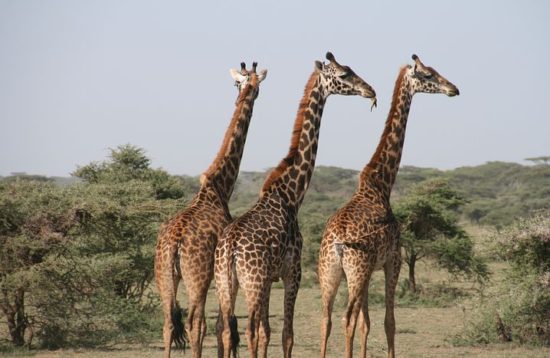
{"points": [[426, 79], [244, 77], [340, 79]]}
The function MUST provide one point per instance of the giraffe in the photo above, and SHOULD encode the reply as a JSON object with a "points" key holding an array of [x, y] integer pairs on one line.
{"points": [[363, 235], [264, 244], [186, 243]]}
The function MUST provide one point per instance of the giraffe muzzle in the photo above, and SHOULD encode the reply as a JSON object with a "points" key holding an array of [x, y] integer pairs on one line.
{"points": [[453, 92]]}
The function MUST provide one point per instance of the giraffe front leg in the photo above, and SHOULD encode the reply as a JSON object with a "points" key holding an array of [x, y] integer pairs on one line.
{"points": [[291, 285], [391, 273]]}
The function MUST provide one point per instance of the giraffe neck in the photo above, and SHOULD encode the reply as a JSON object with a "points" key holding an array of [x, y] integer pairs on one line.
{"points": [[384, 163], [222, 173], [292, 176]]}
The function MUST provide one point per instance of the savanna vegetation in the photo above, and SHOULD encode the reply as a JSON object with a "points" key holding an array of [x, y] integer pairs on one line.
{"points": [[76, 254]]}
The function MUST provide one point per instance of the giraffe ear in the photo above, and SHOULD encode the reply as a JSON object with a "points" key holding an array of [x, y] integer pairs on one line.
{"points": [[319, 66], [236, 75], [262, 75], [418, 65]]}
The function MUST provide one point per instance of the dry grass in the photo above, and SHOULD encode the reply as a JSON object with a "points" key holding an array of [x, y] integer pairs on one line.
{"points": [[421, 332]]}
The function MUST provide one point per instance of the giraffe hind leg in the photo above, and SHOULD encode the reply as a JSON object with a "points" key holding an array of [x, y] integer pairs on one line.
{"points": [[330, 275], [167, 279], [391, 273], [255, 298], [364, 321], [264, 329], [292, 285], [358, 277]]}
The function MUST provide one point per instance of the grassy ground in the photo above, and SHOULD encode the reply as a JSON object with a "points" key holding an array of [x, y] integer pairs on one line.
{"points": [[421, 331]]}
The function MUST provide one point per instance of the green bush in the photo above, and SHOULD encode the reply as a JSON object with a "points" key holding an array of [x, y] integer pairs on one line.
{"points": [[76, 262], [519, 309]]}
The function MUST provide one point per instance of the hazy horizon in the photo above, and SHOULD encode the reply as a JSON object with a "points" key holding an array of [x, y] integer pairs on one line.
{"points": [[78, 78]]}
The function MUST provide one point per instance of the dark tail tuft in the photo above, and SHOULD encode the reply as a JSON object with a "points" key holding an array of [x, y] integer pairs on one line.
{"points": [[179, 336], [235, 339]]}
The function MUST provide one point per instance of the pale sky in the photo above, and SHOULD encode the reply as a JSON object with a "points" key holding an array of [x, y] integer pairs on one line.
{"points": [[78, 78]]}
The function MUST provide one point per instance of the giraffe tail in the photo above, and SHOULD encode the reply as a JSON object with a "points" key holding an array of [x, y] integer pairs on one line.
{"points": [[179, 335], [235, 339], [167, 271]]}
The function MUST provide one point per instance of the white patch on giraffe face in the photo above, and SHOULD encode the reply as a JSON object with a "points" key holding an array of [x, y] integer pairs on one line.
{"points": [[240, 80]]}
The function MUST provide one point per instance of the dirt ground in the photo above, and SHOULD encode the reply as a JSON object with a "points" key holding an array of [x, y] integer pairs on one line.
{"points": [[421, 332]]}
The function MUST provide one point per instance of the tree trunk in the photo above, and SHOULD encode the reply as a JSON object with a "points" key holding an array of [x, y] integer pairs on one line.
{"points": [[16, 320], [412, 281]]}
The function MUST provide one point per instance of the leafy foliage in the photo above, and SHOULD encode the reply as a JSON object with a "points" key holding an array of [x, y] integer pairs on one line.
{"points": [[35, 218], [77, 261], [129, 163], [76, 255], [519, 309], [540, 160], [430, 229]]}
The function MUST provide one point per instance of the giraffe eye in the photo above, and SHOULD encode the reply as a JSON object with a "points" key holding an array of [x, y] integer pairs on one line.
{"points": [[428, 75], [345, 75]]}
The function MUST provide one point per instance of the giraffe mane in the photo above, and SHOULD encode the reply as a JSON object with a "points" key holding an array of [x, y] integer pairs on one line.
{"points": [[295, 139], [228, 133], [371, 166]]}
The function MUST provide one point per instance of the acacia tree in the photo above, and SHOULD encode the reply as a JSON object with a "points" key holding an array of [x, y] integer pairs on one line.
{"points": [[539, 160], [35, 219], [76, 262], [125, 200], [429, 228]]}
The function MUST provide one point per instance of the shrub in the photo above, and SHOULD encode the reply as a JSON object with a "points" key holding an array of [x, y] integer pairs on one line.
{"points": [[519, 309]]}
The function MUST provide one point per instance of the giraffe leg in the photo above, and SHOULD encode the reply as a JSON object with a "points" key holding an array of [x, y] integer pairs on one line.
{"points": [[391, 272], [265, 329], [224, 334], [226, 289], [364, 321], [355, 298], [330, 275], [255, 298], [292, 285], [196, 321], [358, 278], [226, 325], [197, 278], [167, 283], [168, 327]]}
